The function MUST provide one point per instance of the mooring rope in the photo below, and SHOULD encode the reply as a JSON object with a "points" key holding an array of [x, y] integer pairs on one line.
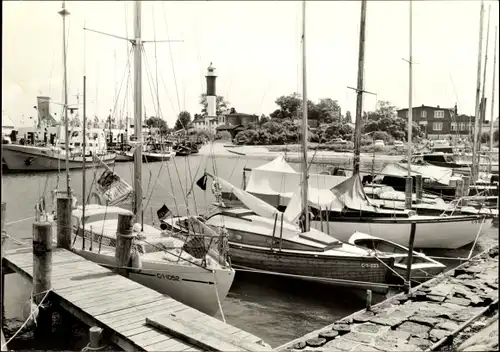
{"points": [[28, 319], [218, 299]]}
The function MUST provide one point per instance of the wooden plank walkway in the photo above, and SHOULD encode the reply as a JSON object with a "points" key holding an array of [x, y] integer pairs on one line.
{"points": [[99, 297]]}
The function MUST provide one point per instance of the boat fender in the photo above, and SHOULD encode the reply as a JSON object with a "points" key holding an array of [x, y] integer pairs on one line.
{"points": [[136, 259], [137, 227], [30, 313]]}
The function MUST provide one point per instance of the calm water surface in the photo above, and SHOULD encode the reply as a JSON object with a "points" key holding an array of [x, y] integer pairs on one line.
{"points": [[273, 308]]}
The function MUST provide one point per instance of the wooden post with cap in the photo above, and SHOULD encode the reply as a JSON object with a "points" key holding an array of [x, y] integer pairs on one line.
{"points": [[124, 241]]}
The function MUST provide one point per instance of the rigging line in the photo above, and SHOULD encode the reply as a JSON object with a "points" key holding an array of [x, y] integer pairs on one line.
{"points": [[172, 189], [195, 30], [121, 86], [164, 85], [180, 183], [192, 183], [156, 64], [171, 56]]}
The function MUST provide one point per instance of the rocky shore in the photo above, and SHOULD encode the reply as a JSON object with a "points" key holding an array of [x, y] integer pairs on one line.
{"points": [[457, 310]]}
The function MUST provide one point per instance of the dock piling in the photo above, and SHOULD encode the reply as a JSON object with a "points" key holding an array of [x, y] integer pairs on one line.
{"points": [[466, 190], [408, 192], [124, 240], [42, 274], [368, 300], [410, 257], [64, 221], [95, 337], [419, 187]]}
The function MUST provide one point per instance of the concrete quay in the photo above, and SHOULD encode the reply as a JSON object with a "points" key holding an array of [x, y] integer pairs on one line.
{"points": [[448, 312]]}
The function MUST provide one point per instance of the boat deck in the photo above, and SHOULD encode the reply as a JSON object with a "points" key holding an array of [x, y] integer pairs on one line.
{"points": [[100, 297]]}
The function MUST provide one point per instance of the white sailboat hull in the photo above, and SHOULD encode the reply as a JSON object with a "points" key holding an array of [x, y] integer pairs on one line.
{"points": [[191, 285], [29, 158], [431, 231]]}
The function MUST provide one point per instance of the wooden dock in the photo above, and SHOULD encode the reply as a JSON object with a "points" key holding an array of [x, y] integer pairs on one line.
{"points": [[100, 297]]}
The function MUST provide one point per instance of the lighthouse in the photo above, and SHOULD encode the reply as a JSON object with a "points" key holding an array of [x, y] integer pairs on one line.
{"points": [[211, 94]]}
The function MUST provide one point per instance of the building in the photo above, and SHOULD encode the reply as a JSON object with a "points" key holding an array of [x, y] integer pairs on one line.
{"points": [[437, 122], [43, 108]]}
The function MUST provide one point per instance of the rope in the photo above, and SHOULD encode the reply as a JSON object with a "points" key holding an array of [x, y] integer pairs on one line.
{"points": [[28, 319], [18, 221], [88, 348], [218, 299]]}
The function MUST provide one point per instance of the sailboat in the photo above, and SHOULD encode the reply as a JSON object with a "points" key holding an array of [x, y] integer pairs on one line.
{"points": [[340, 206], [191, 268], [265, 239]]}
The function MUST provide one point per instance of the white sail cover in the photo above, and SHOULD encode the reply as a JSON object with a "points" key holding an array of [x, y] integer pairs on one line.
{"points": [[437, 174], [253, 203], [277, 181]]}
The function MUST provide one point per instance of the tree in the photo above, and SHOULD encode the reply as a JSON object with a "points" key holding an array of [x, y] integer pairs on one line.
{"points": [[221, 104], [156, 122], [289, 106], [348, 118], [328, 110], [263, 119], [183, 120]]}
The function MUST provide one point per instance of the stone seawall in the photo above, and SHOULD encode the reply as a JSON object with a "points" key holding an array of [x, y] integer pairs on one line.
{"points": [[431, 312]]}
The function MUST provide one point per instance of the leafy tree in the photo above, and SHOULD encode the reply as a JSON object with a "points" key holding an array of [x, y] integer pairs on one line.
{"points": [[263, 119], [328, 110], [224, 135], [385, 118], [221, 104], [289, 106], [348, 118], [183, 120], [157, 122], [386, 137]]}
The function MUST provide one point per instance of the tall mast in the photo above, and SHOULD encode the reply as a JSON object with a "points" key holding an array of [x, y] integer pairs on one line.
{"points": [[305, 183], [138, 113], [65, 13], [482, 112], [84, 144], [408, 198], [360, 87], [478, 95], [493, 92]]}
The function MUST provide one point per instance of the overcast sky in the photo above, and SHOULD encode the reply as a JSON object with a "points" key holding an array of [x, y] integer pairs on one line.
{"points": [[255, 47]]}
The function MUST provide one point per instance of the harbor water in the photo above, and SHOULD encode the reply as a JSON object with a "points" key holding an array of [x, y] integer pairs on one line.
{"points": [[274, 308]]}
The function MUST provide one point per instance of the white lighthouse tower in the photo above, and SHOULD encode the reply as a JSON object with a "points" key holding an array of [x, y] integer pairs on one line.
{"points": [[211, 117]]}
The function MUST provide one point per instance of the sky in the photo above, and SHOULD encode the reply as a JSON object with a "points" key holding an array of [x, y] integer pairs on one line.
{"points": [[255, 47]]}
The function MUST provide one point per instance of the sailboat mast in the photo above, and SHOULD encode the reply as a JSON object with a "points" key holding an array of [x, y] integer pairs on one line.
{"points": [[138, 113], [482, 112], [65, 13], [360, 87], [305, 183], [409, 185], [493, 93], [84, 144], [478, 94]]}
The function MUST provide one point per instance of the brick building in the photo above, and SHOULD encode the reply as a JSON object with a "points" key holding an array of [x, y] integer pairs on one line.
{"points": [[437, 122]]}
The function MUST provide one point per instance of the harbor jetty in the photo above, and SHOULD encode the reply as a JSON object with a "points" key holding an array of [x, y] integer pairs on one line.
{"points": [[458, 309], [118, 311]]}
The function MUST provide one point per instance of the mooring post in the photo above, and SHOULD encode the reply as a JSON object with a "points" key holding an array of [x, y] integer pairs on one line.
{"points": [[64, 226], [95, 337], [368, 300], [459, 190], [410, 257], [419, 187], [2, 283], [42, 274], [124, 240], [408, 192], [466, 191]]}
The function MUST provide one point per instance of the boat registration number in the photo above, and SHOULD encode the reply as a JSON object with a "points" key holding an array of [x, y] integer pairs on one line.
{"points": [[364, 265], [167, 277], [478, 221]]}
